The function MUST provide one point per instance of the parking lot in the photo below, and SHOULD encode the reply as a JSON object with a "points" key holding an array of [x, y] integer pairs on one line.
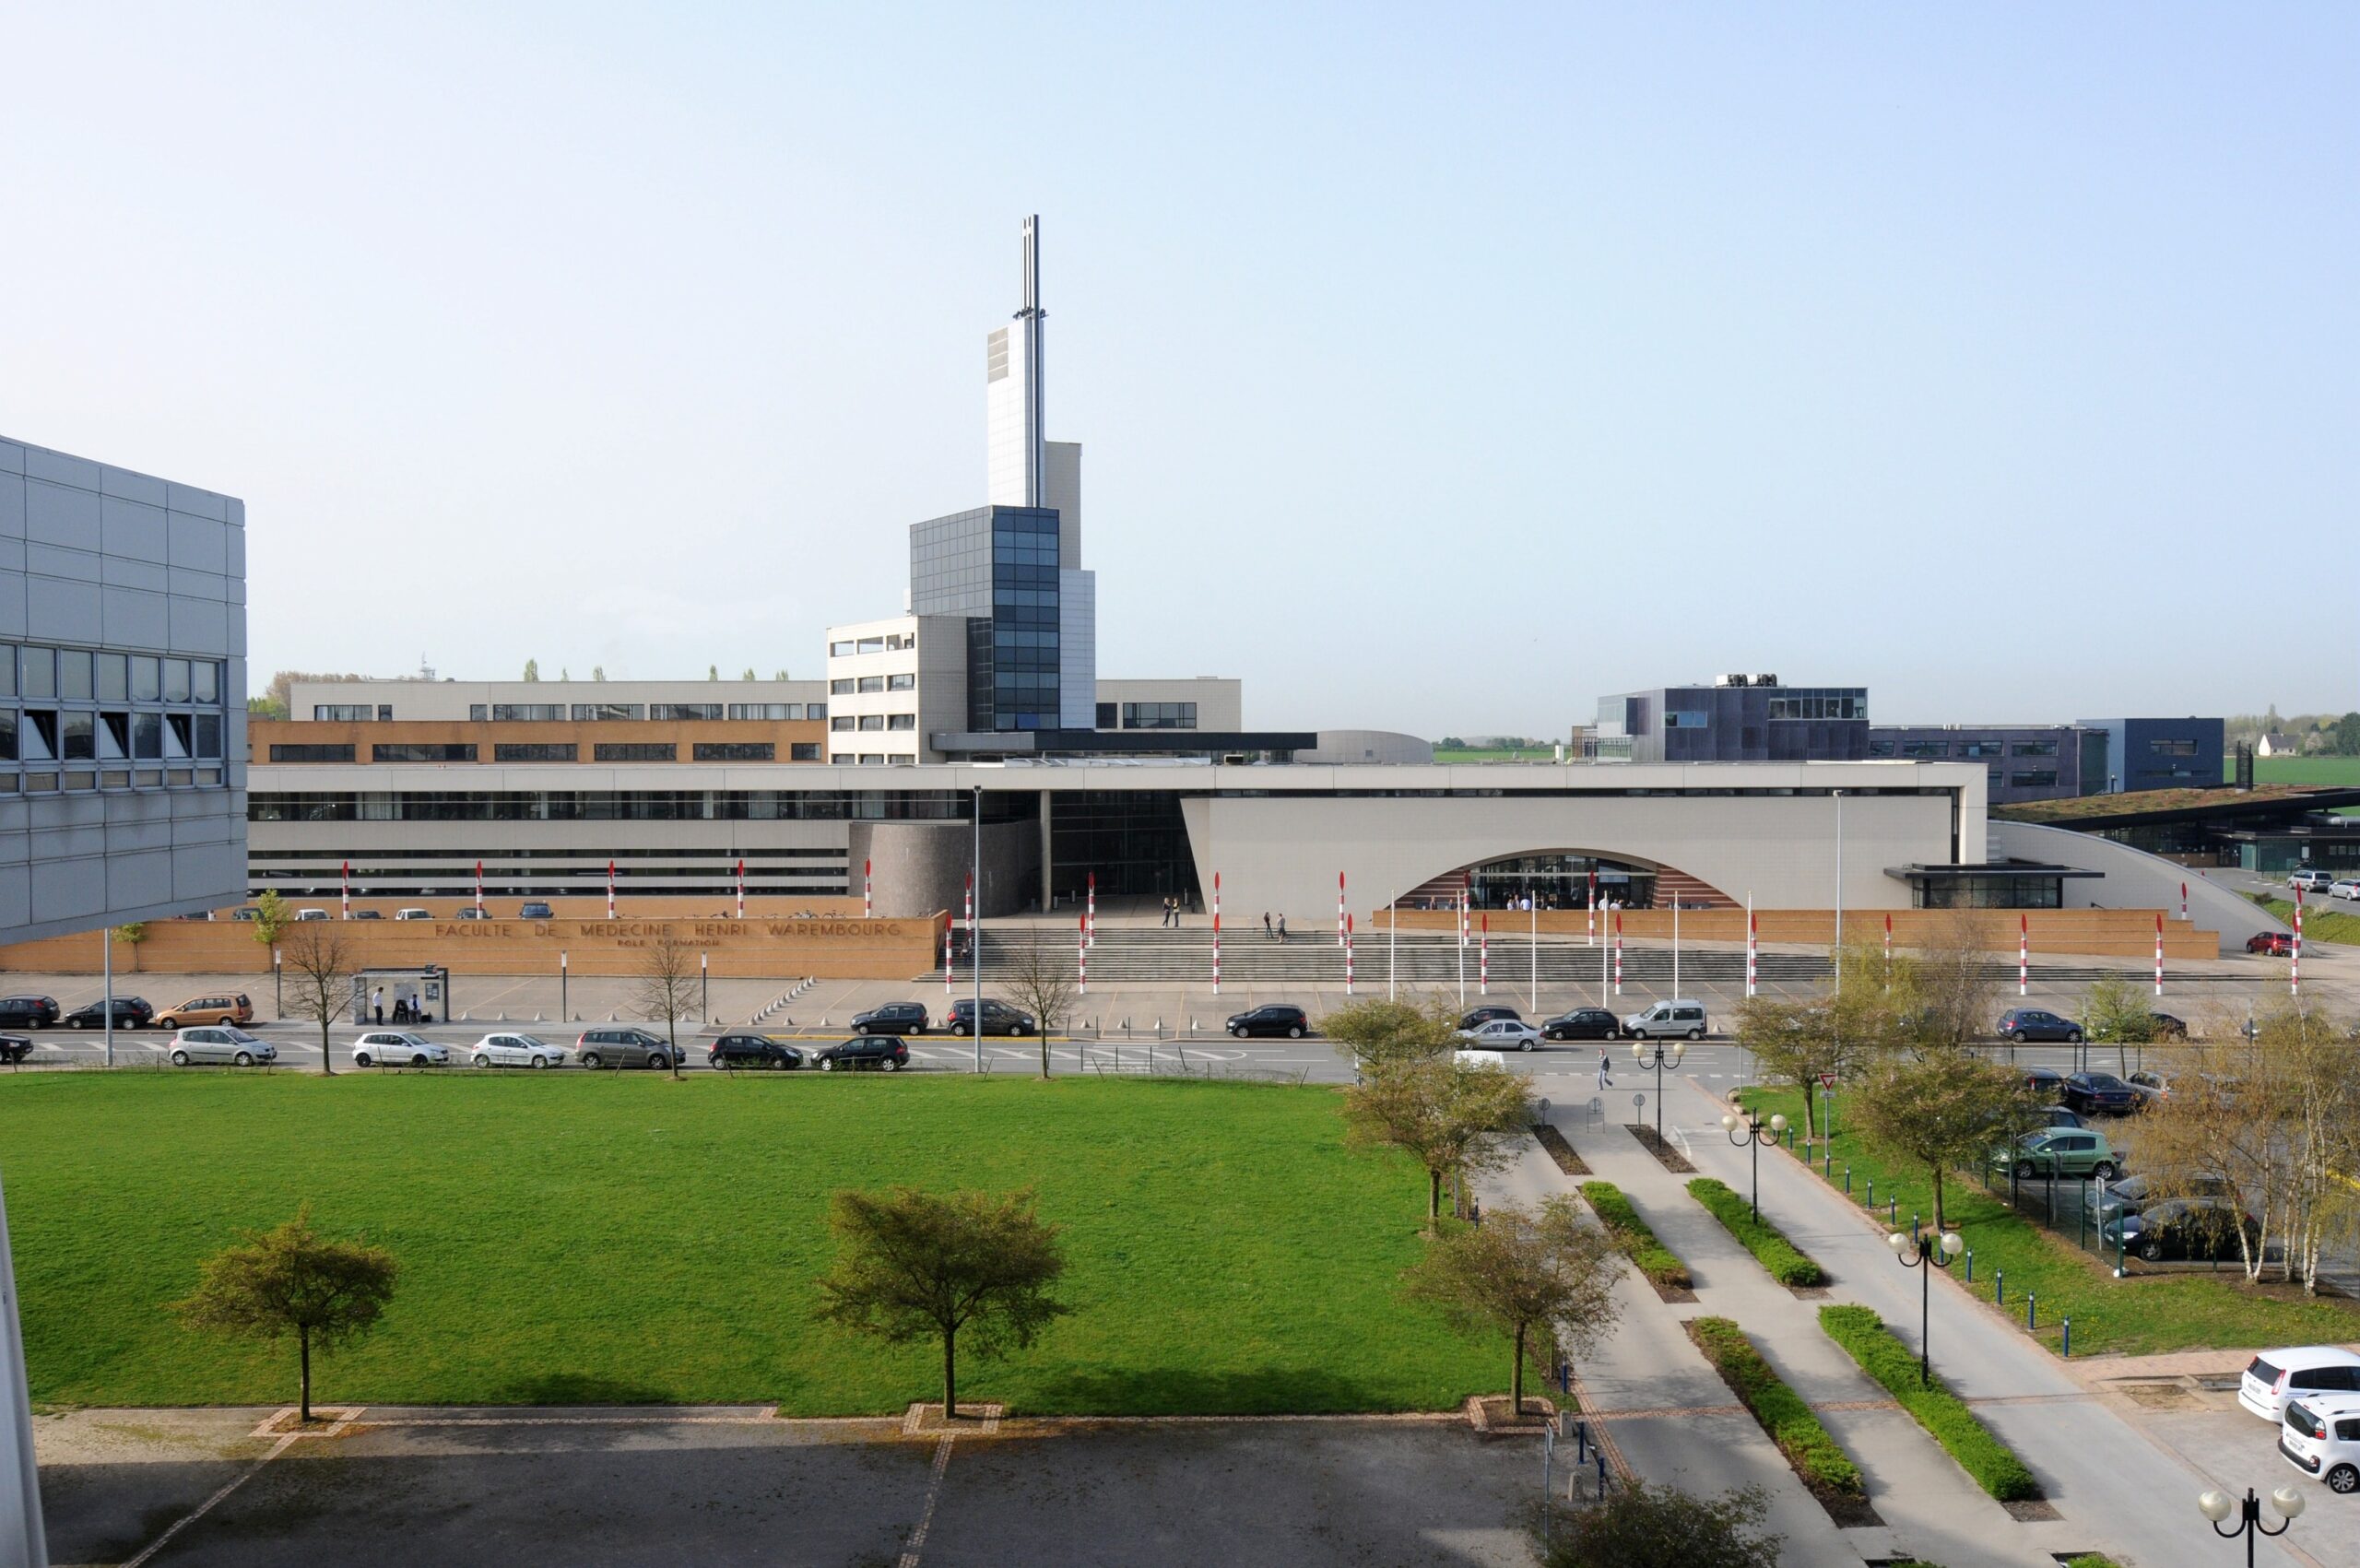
{"points": [[732, 1485]]}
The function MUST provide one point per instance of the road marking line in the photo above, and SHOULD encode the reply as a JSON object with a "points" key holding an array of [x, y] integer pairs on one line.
{"points": [[281, 1447], [933, 1496]]}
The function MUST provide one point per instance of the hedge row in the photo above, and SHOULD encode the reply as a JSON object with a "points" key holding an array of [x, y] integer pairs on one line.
{"points": [[1991, 1462], [1651, 1257], [1780, 1409], [1788, 1263]]}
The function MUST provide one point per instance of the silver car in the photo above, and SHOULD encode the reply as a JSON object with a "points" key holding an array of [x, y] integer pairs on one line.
{"points": [[515, 1051], [392, 1048], [1499, 1034], [220, 1043]]}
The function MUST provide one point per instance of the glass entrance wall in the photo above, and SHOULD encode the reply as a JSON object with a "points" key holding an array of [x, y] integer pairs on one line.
{"points": [[1134, 839], [1561, 881]]}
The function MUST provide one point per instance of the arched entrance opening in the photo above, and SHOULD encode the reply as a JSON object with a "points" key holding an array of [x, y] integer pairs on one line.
{"points": [[1567, 879]]}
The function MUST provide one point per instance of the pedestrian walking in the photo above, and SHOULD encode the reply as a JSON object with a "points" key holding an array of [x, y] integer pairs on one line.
{"points": [[377, 1002], [1282, 925], [1265, 925], [1603, 1062]]}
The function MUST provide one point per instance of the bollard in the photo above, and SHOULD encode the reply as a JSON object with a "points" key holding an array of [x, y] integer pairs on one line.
{"points": [[2032, 1311], [1599, 1455], [1871, 1199], [2067, 1352], [1999, 1287], [1581, 1442], [1848, 1180], [1913, 1227], [1892, 1213]]}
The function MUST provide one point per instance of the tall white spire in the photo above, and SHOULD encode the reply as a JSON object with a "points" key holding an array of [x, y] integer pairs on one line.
{"points": [[1017, 456]]}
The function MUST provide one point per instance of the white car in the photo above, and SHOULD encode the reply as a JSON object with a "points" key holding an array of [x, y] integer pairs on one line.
{"points": [[392, 1048], [515, 1051], [2297, 1372], [412, 915], [219, 1042], [2310, 881], [2320, 1437], [2347, 889], [309, 914], [1501, 1034]]}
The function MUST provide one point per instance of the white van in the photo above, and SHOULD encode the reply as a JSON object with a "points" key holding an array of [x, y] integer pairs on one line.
{"points": [[311, 914], [2320, 1437], [2296, 1372], [412, 915], [1667, 1020]]}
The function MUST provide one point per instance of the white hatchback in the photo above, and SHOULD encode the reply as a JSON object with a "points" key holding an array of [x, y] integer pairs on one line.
{"points": [[515, 1051], [2320, 1437], [2296, 1372], [2349, 888], [392, 1048]]}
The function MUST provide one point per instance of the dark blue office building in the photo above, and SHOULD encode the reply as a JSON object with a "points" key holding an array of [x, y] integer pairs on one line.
{"points": [[1736, 719]]}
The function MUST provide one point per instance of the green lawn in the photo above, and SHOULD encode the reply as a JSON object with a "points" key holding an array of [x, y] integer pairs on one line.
{"points": [[2323, 920], [2143, 1315], [567, 1238], [2343, 771]]}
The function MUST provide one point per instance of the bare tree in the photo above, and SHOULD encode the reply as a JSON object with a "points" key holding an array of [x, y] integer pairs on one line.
{"points": [[319, 965], [1043, 981], [669, 977], [1953, 987]]}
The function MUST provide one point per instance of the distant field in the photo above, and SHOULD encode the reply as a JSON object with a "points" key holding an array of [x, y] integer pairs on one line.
{"points": [[2343, 771], [569, 1238], [1495, 754]]}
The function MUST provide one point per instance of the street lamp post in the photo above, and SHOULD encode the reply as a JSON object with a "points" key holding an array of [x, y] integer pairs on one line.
{"points": [[1658, 1058], [1753, 1126], [1933, 1252], [974, 931], [2218, 1505]]}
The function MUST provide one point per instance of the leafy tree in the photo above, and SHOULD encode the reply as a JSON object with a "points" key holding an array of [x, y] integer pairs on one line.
{"points": [[131, 936], [265, 708], [713, 672], [272, 917], [2114, 1011], [1543, 1277], [319, 975], [598, 672], [1795, 1043], [749, 674], [1447, 1116], [291, 1280], [1647, 1525], [1451, 743], [532, 670], [2345, 740], [1382, 1033], [913, 1265], [1942, 1111], [1043, 979], [780, 675], [563, 673], [671, 974]]}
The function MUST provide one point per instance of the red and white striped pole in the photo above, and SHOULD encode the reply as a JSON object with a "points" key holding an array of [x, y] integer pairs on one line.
{"points": [[347, 890], [1888, 946], [1752, 949], [1089, 919], [1484, 959], [946, 958], [479, 889], [2023, 955], [867, 890], [1081, 955], [2159, 953], [971, 914], [1593, 907], [2183, 900], [1216, 933], [1348, 955], [741, 888], [2295, 960], [611, 889], [1340, 909], [1618, 952]]}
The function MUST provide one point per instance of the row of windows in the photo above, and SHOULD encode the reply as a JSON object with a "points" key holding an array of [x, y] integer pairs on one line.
{"points": [[873, 760], [556, 751], [1819, 705], [650, 805], [845, 686], [81, 735], [891, 643], [845, 722], [356, 713], [588, 713], [75, 780], [80, 675], [1966, 749], [1158, 715]]}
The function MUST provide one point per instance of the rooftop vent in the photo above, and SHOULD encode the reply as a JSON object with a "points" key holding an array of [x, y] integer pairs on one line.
{"points": [[1728, 680], [1764, 681]]}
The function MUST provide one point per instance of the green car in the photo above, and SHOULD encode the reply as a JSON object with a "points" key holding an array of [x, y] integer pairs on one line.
{"points": [[2067, 1151]]}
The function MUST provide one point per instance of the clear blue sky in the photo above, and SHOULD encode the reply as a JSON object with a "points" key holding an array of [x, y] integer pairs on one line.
{"points": [[1436, 368]]}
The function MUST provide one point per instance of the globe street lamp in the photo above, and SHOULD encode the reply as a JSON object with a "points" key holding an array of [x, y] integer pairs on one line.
{"points": [[1752, 1139], [1933, 1252], [2219, 1505], [1659, 1059]]}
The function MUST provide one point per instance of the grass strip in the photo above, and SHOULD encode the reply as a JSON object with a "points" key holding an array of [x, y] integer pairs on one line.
{"points": [[2147, 1314], [1788, 1263], [1636, 1238], [1943, 1413], [1824, 1466], [2321, 922]]}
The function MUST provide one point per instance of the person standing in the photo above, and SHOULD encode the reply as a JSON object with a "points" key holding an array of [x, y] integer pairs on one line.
{"points": [[377, 1003], [1265, 925], [1282, 925]]}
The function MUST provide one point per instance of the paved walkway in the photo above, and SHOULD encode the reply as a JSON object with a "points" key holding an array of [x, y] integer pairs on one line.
{"points": [[2117, 1489]]}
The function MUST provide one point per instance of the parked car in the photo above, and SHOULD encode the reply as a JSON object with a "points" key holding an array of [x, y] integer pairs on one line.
{"points": [[2023, 1024], [752, 1051], [412, 915], [2296, 1372], [368, 915], [2344, 888], [219, 1007], [28, 1011], [130, 1012], [613, 1047], [2150, 1086], [2099, 1095], [1476, 1017], [1500, 1034], [2271, 944], [2320, 1437], [395, 1048], [2166, 1026], [470, 912], [1582, 1023], [893, 1018], [515, 1051], [2066, 1151], [2132, 1194], [886, 1053], [219, 1042], [15, 1048], [1665, 1019], [306, 916], [1278, 1018], [2046, 1083], [2310, 881], [2057, 1116], [2200, 1228], [245, 912], [535, 911], [998, 1017]]}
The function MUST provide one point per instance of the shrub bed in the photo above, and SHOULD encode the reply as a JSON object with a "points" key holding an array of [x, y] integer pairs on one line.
{"points": [[1943, 1413], [1788, 1263], [1823, 1467], [1636, 1238]]}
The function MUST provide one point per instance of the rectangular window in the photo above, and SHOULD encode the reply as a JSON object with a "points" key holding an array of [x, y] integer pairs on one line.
{"points": [[839, 759], [148, 680], [2033, 778], [178, 737], [146, 734], [39, 667], [872, 760], [384, 710], [900, 683], [1154, 715], [840, 721], [872, 645], [766, 709], [2174, 749], [1924, 748], [37, 738], [840, 650], [7, 670], [816, 711], [311, 753], [872, 721], [205, 680], [176, 681], [900, 721], [535, 751], [734, 751], [1686, 719], [78, 736], [526, 713], [635, 751], [209, 734], [422, 751], [2033, 749], [478, 713], [74, 678], [1985, 749], [114, 735], [840, 686], [336, 713], [872, 683], [1105, 715], [114, 677], [590, 712], [686, 710], [803, 752]]}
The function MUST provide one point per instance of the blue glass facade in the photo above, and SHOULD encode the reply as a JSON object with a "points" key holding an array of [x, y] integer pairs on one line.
{"points": [[997, 566]]}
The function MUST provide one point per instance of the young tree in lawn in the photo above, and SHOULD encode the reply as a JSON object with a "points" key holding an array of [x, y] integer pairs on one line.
{"points": [[670, 976], [1445, 1115], [319, 965], [1942, 1111], [293, 1280], [1383, 1032], [913, 1265], [1042, 980], [1542, 1276], [1648, 1526], [1795, 1043]]}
